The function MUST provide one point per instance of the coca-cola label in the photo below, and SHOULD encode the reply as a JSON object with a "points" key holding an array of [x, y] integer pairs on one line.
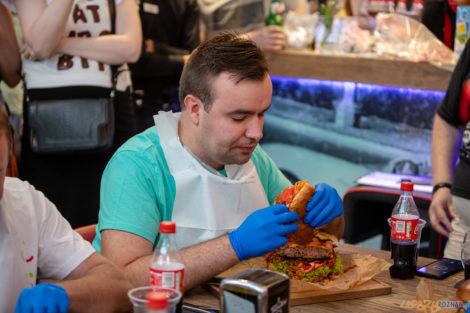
{"points": [[404, 229], [167, 278]]}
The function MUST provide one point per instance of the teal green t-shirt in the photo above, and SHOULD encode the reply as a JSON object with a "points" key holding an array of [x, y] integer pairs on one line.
{"points": [[138, 190]]}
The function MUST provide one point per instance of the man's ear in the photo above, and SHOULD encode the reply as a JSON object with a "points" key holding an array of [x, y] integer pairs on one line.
{"points": [[194, 108]]}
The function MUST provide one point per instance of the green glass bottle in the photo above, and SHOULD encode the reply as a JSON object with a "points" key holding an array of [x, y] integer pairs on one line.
{"points": [[275, 13]]}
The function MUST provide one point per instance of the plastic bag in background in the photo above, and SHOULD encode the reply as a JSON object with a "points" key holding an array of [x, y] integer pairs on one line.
{"points": [[346, 37], [403, 37], [354, 39], [300, 30]]}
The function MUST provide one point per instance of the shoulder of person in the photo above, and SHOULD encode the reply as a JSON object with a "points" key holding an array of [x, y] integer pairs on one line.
{"points": [[261, 160], [23, 193], [259, 155], [142, 142], [143, 149], [15, 185], [23, 198]]}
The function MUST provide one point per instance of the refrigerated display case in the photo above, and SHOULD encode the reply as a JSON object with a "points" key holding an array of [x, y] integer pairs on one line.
{"points": [[334, 119]]}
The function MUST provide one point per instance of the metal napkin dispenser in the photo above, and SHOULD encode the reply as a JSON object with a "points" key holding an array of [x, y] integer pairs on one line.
{"points": [[256, 290]]}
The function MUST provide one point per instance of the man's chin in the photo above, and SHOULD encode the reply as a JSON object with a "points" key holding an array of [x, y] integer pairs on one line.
{"points": [[243, 159], [239, 156], [239, 159]]}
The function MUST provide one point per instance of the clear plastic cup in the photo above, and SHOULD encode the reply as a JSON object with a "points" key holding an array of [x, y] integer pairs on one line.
{"points": [[465, 255], [138, 297]]}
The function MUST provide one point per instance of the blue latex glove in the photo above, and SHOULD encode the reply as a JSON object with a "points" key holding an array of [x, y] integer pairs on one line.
{"points": [[263, 231], [43, 298], [325, 206]]}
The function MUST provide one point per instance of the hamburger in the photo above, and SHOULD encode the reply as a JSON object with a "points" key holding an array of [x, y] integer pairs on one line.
{"points": [[312, 262], [309, 254]]}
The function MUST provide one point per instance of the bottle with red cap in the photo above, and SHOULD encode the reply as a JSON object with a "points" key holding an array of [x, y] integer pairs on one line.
{"points": [[417, 7], [157, 302], [401, 7], [167, 264], [404, 234]]}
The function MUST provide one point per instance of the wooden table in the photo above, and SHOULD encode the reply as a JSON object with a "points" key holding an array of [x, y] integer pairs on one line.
{"points": [[402, 290]]}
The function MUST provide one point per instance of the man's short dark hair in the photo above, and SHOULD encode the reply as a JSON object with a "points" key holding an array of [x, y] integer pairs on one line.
{"points": [[226, 52]]}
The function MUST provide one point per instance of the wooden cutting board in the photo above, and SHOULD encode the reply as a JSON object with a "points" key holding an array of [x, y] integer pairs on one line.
{"points": [[370, 288], [304, 295]]}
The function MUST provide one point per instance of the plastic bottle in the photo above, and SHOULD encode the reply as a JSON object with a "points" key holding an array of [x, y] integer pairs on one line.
{"points": [[401, 7], [167, 264], [389, 6], [404, 234], [417, 7], [275, 13], [157, 302]]}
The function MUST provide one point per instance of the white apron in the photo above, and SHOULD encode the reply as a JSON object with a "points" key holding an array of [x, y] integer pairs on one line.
{"points": [[207, 204]]}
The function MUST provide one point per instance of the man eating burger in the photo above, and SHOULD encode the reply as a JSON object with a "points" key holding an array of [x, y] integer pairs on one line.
{"points": [[204, 170]]}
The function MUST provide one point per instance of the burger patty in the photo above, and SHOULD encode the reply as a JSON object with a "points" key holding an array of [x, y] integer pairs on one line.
{"points": [[307, 253]]}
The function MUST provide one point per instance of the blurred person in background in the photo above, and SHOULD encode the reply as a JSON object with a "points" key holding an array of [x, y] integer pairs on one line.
{"points": [[38, 245], [10, 59], [10, 69], [170, 32], [246, 17], [68, 50], [450, 207], [204, 170], [439, 17], [13, 95]]}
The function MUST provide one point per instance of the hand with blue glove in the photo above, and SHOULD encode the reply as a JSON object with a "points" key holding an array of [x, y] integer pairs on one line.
{"points": [[325, 206], [263, 231], [44, 297]]}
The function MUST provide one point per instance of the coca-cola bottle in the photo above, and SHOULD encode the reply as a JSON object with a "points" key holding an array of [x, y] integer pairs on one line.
{"points": [[157, 302], [404, 234], [167, 264]]}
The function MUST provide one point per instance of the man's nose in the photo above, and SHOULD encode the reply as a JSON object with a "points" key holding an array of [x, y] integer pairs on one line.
{"points": [[255, 129]]}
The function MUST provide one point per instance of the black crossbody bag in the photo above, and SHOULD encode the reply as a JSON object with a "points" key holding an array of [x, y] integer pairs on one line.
{"points": [[72, 119]]}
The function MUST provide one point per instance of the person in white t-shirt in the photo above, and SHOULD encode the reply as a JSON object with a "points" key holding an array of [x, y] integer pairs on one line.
{"points": [[68, 53], [38, 245]]}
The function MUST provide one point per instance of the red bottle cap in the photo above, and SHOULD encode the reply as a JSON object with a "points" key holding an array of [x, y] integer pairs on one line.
{"points": [[406, 186], [157, 300], [167, 227]]}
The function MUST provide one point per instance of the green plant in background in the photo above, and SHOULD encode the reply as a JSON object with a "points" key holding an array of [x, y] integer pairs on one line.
{"points": [[328, 11]]}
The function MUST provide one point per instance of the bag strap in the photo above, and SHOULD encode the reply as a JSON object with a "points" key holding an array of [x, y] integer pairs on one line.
{"points": [[112, 15], [114, 68]]}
